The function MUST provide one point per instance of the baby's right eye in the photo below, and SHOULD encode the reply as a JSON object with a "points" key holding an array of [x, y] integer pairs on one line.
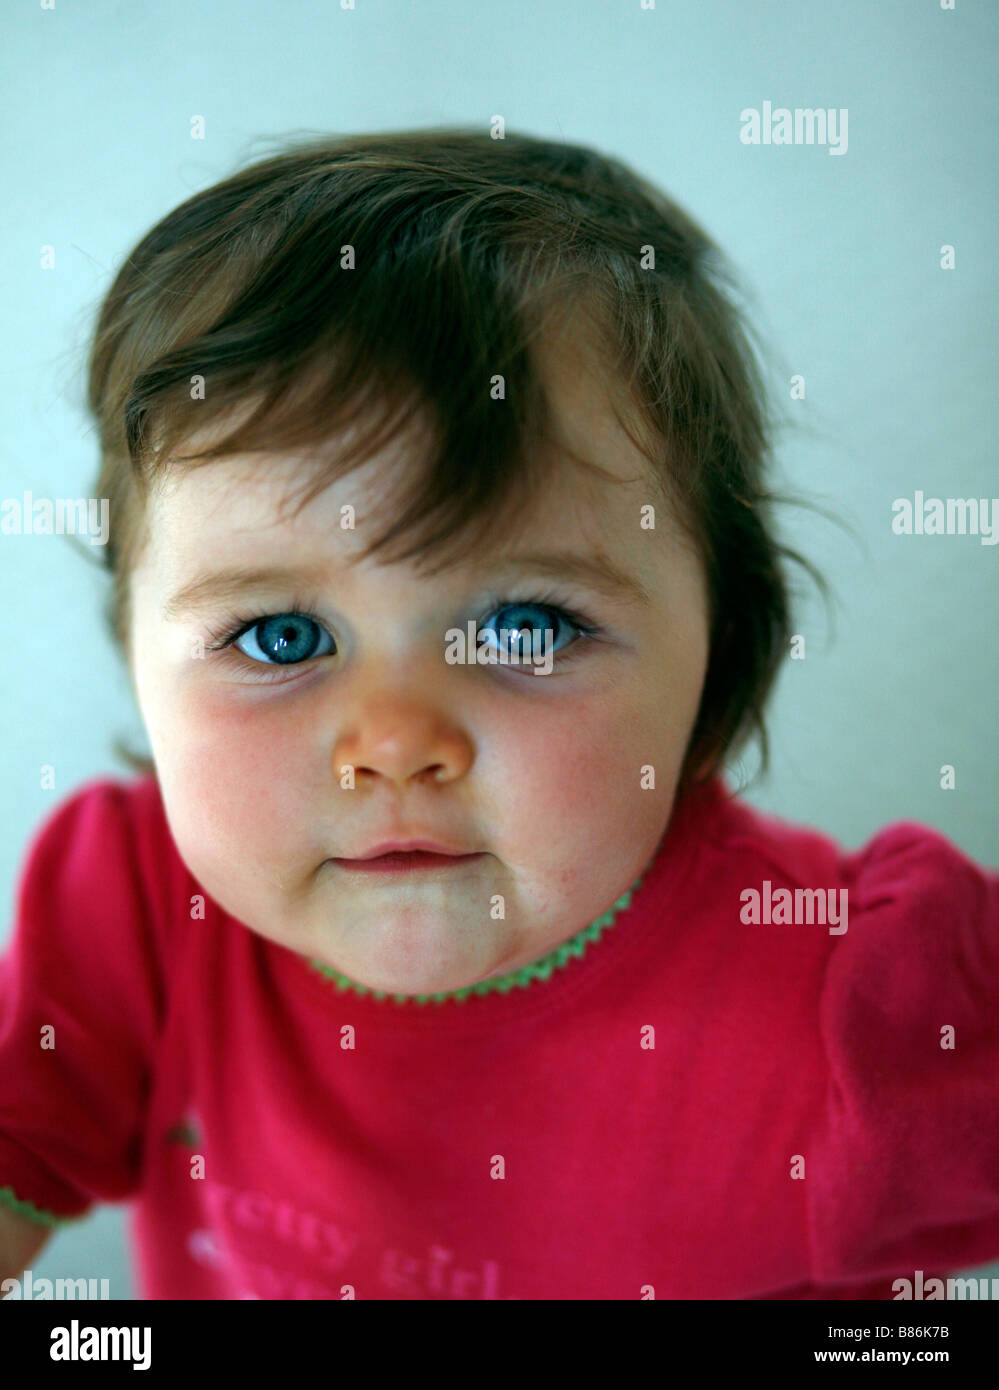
{"points": [[285, 640]]}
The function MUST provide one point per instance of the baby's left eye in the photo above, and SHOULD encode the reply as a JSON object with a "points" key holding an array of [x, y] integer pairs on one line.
{"points": [[285, 639], [521, 619]]}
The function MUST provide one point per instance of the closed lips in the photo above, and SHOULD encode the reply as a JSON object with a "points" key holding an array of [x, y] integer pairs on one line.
{"points": [[410, 847]]}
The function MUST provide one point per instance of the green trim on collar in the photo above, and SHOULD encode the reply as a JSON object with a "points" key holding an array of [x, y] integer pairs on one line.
{"points": [[9, 1198], [536, 970]]}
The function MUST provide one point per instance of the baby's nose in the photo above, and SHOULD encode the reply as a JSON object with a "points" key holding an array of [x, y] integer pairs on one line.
{"points": [[403, 740]]}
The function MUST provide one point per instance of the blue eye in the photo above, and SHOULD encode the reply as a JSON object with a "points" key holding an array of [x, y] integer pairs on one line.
{"points": [[519, 626], [297, 636], [285, 639]]}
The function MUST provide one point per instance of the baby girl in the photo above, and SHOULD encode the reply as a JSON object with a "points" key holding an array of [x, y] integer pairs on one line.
{"points": [[412, 967]]}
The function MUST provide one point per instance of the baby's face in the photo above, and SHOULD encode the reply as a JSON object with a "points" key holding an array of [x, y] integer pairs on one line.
{"points": [[538, 778]]}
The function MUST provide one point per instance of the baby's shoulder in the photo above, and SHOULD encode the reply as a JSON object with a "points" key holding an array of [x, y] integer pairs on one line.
{"points": [[913, 911], [924, 928], [103, 819], [103, 856], [905, 864]]}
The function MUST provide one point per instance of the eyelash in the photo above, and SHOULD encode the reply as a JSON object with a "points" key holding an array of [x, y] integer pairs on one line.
{"points": [[235, 625]]}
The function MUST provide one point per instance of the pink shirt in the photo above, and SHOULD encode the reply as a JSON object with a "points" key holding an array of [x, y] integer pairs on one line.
{"points": [[684, 1102]]}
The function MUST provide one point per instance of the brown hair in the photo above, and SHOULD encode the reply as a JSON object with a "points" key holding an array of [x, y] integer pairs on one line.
{"points": [[382, 278]]}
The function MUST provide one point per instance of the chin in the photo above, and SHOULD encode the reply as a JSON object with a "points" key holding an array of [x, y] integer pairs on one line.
{"points": [[409, 984]]}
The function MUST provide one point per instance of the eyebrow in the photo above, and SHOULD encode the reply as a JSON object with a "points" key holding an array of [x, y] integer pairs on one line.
{"points": [[595, 571], [227, 585]]}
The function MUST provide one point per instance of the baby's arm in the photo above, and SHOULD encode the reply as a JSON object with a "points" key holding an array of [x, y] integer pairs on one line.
{"points": [[80, 1019], [21, 1239]]}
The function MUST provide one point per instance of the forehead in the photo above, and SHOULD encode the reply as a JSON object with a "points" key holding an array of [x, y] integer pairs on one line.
{"points": [[242, 507]]}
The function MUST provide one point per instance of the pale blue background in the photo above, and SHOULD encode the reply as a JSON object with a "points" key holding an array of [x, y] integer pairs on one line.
{"points": [[839, 253]]}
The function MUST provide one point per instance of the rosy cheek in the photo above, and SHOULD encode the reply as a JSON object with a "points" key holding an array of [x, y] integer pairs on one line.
{"points": [[572, 780], [237, 768], [561, 765]]}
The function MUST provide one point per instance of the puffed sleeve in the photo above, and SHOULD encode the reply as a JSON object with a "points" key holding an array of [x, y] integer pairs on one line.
{"points": [[80, 1012], [905, 1169]]}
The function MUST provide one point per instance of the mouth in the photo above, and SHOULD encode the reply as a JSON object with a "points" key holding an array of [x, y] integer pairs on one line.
{"points": [[407, 862]]}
